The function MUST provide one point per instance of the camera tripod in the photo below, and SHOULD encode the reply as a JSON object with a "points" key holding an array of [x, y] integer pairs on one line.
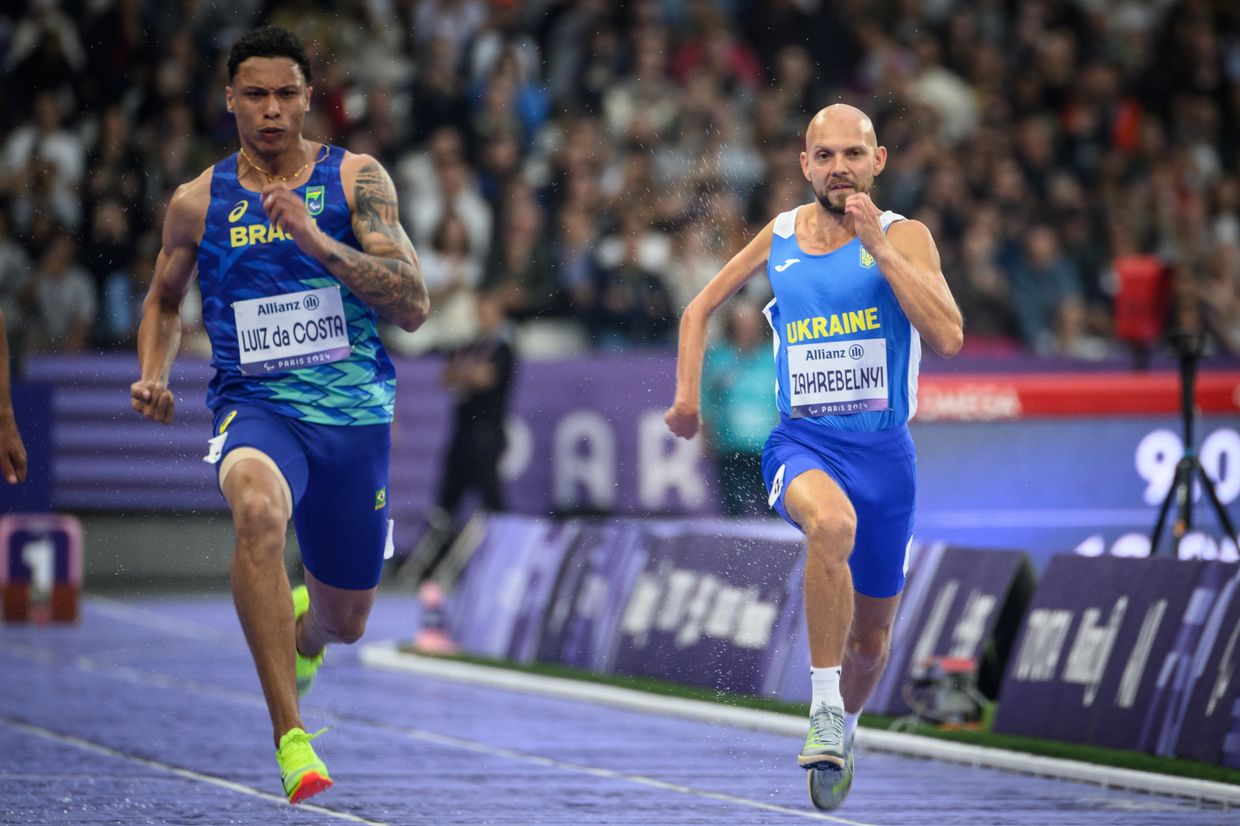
{"points": [[1189, 347]]}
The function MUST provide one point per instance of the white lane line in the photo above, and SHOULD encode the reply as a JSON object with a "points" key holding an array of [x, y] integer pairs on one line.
{"points": [[609, 774], [186, 774], [158, 621], [132, 675]]}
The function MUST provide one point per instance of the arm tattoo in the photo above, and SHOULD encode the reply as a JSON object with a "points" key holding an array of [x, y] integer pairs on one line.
{"points": [[375, 202], [385, 274]]}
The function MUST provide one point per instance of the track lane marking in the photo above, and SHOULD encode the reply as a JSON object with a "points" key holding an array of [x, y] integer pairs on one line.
{"points": [[164, 681], [185, 774]]}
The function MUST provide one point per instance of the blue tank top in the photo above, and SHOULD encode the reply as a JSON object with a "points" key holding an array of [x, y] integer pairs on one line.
{"points": [[285, 333], [846, 356]]}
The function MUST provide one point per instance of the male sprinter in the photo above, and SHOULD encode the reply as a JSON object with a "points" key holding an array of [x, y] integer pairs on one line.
{"points": [[855, 291], [298, 251]]}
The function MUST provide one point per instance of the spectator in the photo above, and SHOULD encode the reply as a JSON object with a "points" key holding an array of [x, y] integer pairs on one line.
{"points": [[1120, 126], [114, 169], [44, 162], [1047, 294], [519, 266], [634, 307], [573, 263], [456, 192], [60, 300], [738, 381], [1220, 297], [14, 270], [479, 376], [643, 106], [122, 294], [107, 247], [574, 38], [45, 55], [454, 22], [453, 274], [440, 99]]}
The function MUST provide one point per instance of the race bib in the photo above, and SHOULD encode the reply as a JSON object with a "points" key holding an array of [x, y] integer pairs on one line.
{"points": [[290, 331], [838, 379]]}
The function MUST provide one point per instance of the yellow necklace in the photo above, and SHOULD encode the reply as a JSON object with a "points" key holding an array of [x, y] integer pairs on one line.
{"points": [[284, 178]]}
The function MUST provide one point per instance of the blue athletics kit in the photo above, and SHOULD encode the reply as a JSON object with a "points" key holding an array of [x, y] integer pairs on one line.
{"points": [[846, 360], [300, 372]]}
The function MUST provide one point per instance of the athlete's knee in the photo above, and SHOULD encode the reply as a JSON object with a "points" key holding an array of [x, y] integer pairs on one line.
{"points": [[258, 515], [257, 511], [867, 648], [830, 533], [346, 626], [350, 631], [255, 497]]}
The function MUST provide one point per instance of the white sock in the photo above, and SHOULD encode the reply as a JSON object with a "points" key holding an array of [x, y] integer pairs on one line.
{"points": [[850, 724], [826, 687]]}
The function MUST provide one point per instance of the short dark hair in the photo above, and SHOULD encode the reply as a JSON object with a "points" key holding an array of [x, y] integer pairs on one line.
{"points": [[269, 41]]}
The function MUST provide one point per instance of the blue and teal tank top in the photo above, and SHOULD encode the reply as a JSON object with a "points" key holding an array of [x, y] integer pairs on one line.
{"points": [[846, 356], [285, 333]]}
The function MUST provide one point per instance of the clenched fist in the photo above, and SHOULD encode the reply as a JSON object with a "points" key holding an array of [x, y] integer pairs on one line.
{"points": [[288, 211], [866, 219], [152, 400], [683, 420]]}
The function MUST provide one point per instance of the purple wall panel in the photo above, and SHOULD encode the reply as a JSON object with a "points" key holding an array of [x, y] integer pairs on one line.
{"points": [[953, 614], [32, 406], [705, 609], [497, 609], [1207, 720], [584, 612], [1085, 667]]}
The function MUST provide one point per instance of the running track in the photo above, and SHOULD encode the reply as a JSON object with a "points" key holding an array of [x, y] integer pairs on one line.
{"points": [[149, 712]]}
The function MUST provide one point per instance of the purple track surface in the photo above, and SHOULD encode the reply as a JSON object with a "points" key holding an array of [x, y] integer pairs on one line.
{"points": [[149, 712]]}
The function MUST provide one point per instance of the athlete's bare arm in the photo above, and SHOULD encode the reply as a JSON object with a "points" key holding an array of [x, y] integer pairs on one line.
{"points": [[159, 334], [909, 260], [386, 273], [684, 417], [12, 451]]}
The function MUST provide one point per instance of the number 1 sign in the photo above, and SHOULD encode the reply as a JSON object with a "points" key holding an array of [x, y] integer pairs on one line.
{"points": [[40, 567]]}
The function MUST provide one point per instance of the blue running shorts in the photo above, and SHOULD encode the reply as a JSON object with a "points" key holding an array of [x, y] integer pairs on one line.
{"points": [[338, 477], [877, 471]]}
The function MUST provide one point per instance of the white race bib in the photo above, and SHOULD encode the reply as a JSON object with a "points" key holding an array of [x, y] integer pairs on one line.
{"points": [[289, 331], [838, 379]]}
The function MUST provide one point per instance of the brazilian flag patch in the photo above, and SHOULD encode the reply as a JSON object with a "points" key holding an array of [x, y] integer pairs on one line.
{"points": [[314, 199], [380, 498]]}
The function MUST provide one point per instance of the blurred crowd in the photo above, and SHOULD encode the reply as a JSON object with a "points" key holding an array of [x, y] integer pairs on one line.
{"points": [[595, 163]]}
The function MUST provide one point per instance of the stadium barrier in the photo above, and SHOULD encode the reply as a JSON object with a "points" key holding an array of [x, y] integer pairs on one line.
{"points": [[1130, 653], [1136, 654], [963, 603], [713, 603], [705, 603]]}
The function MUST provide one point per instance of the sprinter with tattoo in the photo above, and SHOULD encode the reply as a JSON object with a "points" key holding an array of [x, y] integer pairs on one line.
{"points": [[298, 251]]}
